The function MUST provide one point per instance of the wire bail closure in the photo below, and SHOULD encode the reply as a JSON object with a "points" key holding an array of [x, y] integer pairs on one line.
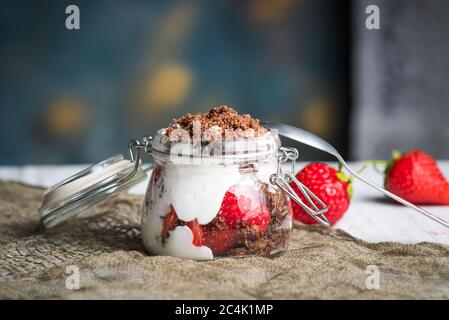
{"points": [[136, 144], [283, 180], [134, 147]]}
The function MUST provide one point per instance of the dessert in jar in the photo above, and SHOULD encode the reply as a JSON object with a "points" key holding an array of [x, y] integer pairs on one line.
{"points": [[210, 194], [217, 188]]}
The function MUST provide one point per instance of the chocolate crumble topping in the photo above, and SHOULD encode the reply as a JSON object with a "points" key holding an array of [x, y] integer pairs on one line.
{"points": [[220, 122]]}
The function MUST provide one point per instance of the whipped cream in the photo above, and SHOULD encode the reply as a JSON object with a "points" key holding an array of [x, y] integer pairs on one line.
{"points": [[195, 192], [179, 244]]}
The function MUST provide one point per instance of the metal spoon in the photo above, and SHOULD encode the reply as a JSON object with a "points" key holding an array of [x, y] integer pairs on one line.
{"points": [[312, 140]]}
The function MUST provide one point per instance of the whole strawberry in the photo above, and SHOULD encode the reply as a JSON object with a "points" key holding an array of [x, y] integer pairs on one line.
{"points": [[415, 176], [330, 185]]}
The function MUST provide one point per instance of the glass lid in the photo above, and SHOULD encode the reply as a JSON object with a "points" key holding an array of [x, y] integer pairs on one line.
{"points": [[88, 187]]}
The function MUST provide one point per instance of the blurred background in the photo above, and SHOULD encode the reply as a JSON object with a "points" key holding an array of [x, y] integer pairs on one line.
{"points": [[79, 96]]}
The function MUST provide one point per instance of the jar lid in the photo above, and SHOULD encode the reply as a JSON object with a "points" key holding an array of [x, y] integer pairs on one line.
{"points": [[98, 182]]}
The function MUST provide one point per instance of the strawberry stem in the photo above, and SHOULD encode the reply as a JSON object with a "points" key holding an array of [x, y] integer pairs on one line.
{"points": [[340, 166], [359, 171], [396, 154], [376, 164], [340, 174]]}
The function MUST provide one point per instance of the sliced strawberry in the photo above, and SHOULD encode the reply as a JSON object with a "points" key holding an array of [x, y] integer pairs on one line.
{"points": [[242, 205], [197, 232], [169, 223]]}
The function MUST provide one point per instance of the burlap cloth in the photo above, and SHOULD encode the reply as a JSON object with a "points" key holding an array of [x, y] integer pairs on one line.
{"points": [[107, 249]]}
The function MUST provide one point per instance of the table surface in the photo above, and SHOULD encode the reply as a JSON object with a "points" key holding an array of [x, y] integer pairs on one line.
{"points": [[371, 216]]}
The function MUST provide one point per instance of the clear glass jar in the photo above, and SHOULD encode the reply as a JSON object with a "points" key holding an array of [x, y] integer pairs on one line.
{"points": [[206, 197], [214, 199]]}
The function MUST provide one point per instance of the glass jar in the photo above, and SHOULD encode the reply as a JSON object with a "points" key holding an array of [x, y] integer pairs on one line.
{"points": [[216, 199], [205, 198]]}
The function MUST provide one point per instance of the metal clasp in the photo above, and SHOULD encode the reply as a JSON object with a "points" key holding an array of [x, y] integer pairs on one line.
{"points": [[136, 146], [282, 179]]}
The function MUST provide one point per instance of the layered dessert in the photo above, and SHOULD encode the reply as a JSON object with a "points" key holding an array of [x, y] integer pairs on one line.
{"points": [[222, 204]]}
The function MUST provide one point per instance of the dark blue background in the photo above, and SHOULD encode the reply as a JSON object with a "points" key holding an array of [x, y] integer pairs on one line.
{"points": [[78, 96]]}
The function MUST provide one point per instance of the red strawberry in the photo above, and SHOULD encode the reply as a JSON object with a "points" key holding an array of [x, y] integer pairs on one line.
{"points": [[243, 206], [328, 184], [415, 176], [217, 240], [170, 222], [197, 232]]}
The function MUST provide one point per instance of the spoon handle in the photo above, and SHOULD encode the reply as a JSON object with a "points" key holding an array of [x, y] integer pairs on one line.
{"points": [[395, 197]]}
